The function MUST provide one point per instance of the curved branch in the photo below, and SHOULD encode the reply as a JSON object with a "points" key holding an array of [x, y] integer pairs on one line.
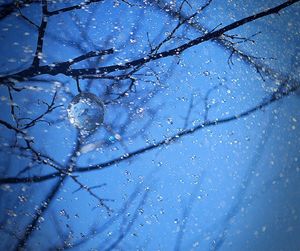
{"points": [[221, 41], [8, 9], [41, 34], [56, 69], [11, 127], [44, 206], [273, 98]]}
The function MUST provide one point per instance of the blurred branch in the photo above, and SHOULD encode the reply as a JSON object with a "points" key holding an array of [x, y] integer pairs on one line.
{"points": [[50, 108], [11, 127], [97, 230], [207, 104], [88, 55], [9, 8], [180, 23], [221, 41], [240, 197], [12, 107], [89, 190], [186, 214], [31, 227], [74, 7], [27, 19], [124, 232]]}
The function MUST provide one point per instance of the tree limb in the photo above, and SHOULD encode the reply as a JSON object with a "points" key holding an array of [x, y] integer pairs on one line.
{"points": [[268, 101]]}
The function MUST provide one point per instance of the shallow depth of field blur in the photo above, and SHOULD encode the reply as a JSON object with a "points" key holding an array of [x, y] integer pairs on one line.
{"points": [[165, 170]]}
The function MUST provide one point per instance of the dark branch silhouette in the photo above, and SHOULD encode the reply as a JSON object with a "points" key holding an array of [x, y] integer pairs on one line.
{"points": [[275, 97], [57, 68]]}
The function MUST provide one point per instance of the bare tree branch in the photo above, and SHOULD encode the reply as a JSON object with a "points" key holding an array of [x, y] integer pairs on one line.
{"points": [[268, 101], [58, 68], [41, 34], [74, 7]]}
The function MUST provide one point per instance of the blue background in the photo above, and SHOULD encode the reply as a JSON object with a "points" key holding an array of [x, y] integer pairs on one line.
{"points": [[233, 186]]}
